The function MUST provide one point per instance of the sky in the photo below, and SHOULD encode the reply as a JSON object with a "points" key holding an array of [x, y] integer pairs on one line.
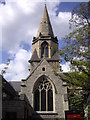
{"points": [[19, 23]]}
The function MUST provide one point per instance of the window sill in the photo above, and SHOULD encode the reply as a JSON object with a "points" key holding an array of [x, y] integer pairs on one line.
{"points": [[46, 112]]}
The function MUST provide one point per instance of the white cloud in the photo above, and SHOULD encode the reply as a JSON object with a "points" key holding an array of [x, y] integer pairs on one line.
{"points": [[20, 21], [18, 68], [66, 67], [16, 23], [2, 67], [61, 24]]}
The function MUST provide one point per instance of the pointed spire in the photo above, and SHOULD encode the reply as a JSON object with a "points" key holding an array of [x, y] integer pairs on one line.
{"points": [[45, 28]]}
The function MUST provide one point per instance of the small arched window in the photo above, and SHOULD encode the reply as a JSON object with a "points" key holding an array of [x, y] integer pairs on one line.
{"points": [[44, 49], [43, 95]]}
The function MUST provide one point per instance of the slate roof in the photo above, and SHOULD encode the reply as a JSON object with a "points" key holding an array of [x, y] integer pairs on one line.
{"points": [[45, 27], [55, 57], [16, 85], [34, 56], [7, 87]]}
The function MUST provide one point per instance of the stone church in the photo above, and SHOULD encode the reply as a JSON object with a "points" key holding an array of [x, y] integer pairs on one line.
{"points": [[42, 95], [45, 91]]}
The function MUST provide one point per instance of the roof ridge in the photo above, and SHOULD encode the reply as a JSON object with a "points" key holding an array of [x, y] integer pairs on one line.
{"points": [[35, 68]]}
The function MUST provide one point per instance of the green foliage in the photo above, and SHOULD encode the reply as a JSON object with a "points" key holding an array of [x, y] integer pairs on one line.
{"points": [[77, 100], [76, 51], [6, 67]]}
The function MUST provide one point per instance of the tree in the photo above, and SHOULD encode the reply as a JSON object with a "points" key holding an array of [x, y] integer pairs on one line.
{"points": [[76, 50], [6, 67]]}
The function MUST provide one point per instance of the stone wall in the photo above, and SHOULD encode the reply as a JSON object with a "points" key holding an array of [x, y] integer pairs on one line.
{"points": [[19, 107], [53, 47], [59, 103]]}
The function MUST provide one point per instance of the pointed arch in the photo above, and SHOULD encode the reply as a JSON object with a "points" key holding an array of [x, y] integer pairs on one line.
{"points": [[44, 92], [44, 49]]}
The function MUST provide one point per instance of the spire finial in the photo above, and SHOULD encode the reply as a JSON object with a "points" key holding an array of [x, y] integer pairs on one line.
{"points": [[45, 2]]}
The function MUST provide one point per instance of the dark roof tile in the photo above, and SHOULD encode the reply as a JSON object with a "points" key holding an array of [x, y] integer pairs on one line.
{"points": [[16, 85], [34, 56]]}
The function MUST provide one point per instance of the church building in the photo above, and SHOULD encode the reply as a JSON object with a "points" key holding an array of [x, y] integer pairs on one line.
{"points": [[46, 92]]}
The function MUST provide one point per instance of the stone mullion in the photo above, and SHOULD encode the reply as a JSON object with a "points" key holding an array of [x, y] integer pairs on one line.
{"points": [[49, 52], [40, 52], [46, 100], [33, 101], [40, 100]]}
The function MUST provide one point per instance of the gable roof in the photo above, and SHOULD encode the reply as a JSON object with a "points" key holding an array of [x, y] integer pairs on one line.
{"points": [[37, 67]]}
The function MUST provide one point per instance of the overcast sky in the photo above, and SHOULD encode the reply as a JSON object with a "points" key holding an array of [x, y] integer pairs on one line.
{"points": [[19, 22]]}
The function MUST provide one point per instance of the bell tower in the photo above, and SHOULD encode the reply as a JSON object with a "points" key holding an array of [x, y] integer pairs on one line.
{"points": [[44, 45], [46, 92]]}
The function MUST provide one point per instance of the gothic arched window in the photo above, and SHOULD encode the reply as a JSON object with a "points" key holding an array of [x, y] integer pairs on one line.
{"points": [[43, 95], [44, 49]]}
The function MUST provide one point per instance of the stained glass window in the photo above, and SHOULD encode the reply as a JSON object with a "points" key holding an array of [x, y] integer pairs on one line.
{"points": [[43, 95]]}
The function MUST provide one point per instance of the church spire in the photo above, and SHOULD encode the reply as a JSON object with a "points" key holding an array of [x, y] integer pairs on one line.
{"points": [[45, 28]]}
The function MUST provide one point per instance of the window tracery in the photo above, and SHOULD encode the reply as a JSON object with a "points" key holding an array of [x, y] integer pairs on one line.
{"points": [[43, 95]]}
